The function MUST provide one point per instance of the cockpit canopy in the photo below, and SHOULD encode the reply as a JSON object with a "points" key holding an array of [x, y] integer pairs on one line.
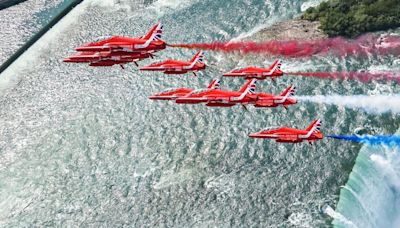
{"points": [[237, 70], [194, 92], [101, 38], [271, 128], [169, 90]]}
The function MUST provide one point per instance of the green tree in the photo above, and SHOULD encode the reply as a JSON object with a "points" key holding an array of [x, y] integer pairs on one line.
{"points": [[353, 17]]}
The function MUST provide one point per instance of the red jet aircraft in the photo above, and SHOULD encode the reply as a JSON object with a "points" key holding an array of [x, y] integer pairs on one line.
{"points": [[291, 135], [108, 51], [246, 95], [272, 72], [173, 94], [179, 67]]}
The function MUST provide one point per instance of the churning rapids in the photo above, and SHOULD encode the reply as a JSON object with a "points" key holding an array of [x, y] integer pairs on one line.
{"points": [[84, 146]]}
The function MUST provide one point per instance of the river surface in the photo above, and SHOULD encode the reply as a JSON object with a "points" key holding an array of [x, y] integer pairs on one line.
{"points": [[83, 146]]}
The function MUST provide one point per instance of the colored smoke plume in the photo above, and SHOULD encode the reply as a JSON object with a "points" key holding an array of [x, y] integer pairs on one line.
{"points": [[370, 139], [360, 76], [364, 45], [372, 104]]}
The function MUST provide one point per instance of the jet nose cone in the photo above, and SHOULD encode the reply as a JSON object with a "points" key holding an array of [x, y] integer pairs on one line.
{"points": [[67, 60], [253, 135], [157, 96]]}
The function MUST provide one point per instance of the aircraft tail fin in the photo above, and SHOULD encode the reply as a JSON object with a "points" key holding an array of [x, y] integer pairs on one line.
{"points": [[315, 126], [276, 65], [198, 58], [289, 92], [215, 84], [155, 33], [249, 87]]}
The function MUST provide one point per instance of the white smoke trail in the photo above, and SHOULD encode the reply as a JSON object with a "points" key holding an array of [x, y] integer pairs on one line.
{"points": [[373, 104]]}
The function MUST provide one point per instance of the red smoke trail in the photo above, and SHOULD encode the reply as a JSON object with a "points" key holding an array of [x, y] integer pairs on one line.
{"points": [[360, 76], [364, 45]]}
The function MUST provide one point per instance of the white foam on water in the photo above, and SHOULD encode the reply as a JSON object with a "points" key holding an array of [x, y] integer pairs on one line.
{"points": [[336, 215], [389, 166], [300, 219], [223, 184], [251, 32], [162, 7], [170, 179], [310, 4], [271, 20], [113, 4], [372, 104], [105, 3], [11, 76], [376, 177], [359, 201]]}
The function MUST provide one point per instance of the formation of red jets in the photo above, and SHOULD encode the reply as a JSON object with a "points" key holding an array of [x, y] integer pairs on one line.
{"points": [[120, 50]]}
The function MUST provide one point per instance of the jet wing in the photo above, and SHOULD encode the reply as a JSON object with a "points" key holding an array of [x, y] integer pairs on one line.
{"points": [[265, 102], [115, 46], [290, 138], [161, 68], [258, 75], [93, 48], [152, 68], [213, 98], [234, 74]]}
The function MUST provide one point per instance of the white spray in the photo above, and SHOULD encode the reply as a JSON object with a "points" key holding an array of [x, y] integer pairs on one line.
{"points": [[336, 215]]}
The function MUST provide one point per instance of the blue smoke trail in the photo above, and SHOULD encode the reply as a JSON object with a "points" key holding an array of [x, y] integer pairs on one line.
{"points": [[369, 139]]}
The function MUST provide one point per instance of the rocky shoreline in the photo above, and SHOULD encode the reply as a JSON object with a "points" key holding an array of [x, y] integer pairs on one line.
{"points": [[296, 29]]}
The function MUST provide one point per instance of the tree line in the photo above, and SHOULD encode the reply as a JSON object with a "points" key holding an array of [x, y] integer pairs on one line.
{"points": [[351, 18]]}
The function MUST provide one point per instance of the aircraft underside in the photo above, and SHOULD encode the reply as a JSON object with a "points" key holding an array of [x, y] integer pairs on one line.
{"points": [[215, 104], [289, 141], [175, 72]]}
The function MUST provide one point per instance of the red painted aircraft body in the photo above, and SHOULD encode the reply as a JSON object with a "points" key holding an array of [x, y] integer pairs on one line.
{"points": [[119, 49], [246, 95], [173, 94], [272, 72], [291, 135], [171, 66], [107, 58]]}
